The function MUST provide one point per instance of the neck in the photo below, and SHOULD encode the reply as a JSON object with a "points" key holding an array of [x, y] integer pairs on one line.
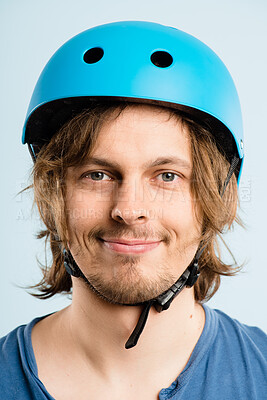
{"points": [[100, 329]]}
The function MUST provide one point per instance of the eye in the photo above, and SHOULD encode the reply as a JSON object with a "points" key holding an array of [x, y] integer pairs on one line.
{"points": [[96, 176], [169, 176]]}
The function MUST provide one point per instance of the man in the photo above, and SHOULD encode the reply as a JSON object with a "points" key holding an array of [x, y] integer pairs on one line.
{"points": [[136, 134]]}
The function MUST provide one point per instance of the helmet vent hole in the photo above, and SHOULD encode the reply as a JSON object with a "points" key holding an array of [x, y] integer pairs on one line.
{"points": [[93, 55], [161, 59]]}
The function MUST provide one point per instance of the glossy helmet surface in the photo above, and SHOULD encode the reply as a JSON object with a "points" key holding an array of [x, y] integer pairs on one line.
{"points": [[140, 62]]}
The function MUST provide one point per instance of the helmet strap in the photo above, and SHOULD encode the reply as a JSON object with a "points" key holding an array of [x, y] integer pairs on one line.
{"points": [[233, 165], [161, 303], [34, 149]]}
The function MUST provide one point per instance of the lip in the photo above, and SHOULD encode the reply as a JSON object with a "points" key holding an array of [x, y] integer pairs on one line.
{"points": [[131, 241], [130, 246]]}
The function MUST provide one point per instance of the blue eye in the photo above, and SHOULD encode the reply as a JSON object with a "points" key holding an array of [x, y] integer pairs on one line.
{"points": [[97, 176], [170, 176]]}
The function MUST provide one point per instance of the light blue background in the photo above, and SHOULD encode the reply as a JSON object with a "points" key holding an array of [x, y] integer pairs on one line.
{"points": [[30, 32]]}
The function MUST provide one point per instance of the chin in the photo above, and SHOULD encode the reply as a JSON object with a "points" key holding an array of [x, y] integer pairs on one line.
{"points": [[130, 289]]}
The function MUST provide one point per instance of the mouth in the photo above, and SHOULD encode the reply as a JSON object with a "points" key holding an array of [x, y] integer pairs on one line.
{"points": [[130, 246]]}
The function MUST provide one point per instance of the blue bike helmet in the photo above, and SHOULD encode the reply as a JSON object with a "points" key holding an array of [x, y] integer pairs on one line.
{"points": [[140, 62]]}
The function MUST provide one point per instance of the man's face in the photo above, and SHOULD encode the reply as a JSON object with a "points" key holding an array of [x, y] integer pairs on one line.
{"points": [[131, 219]]}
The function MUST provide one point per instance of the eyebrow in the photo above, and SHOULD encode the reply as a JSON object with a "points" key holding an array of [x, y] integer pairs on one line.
{"points": [[152, 163]]}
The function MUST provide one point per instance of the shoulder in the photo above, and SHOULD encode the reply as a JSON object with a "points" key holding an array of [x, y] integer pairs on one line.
{"points": [[238, 356], [10, 348], [237, 333], [18, 371], [10, 362], [232, 362]]}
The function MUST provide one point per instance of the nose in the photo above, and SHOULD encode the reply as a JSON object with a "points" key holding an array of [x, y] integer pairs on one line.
{"points": [[129, 216], [129, 205]]}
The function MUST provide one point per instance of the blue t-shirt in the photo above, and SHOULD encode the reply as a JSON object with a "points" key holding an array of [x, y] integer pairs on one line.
{"points": [[229, 362]]}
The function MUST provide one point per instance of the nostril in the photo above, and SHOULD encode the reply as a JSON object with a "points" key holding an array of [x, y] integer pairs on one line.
{"points": [[93, 55], [161, 59]]}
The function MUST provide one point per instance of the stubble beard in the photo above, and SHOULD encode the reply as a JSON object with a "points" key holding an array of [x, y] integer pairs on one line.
{"points": [[128, 285]]}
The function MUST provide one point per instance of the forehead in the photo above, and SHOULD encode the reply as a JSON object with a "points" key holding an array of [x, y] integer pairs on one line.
{"points": [[143, 132]]}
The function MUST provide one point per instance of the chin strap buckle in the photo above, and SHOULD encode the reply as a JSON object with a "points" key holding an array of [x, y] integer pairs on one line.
{"points": [[194, 273], [187, 279]]}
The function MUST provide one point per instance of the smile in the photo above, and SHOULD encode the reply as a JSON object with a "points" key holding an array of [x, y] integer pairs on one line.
{"points": [[127, 247]]}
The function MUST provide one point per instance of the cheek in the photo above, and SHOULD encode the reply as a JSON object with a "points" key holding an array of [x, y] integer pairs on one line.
{"points": [[178, 214], [83, 211]]}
